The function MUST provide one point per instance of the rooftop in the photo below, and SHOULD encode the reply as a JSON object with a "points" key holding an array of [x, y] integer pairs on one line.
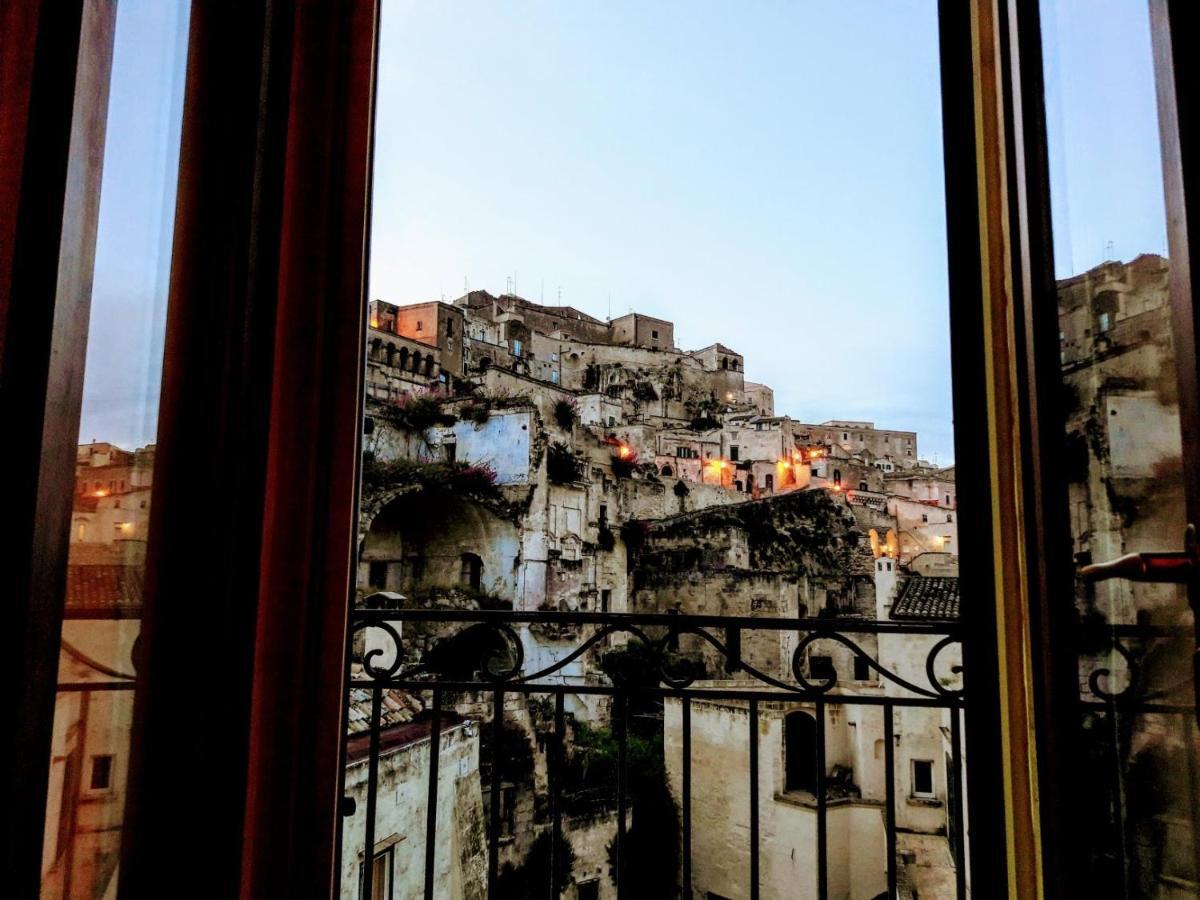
{"points": [[928, 599]]}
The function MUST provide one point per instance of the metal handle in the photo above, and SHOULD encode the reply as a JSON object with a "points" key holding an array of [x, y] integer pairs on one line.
{"points": [[1170, 568], [1164, 568]]}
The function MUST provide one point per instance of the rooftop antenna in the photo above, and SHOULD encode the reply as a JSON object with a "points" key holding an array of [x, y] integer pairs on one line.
{"points": [[508, 285], [466, 285], [514, 281], [1108, 250], [560, 295], [610, 306], [542, 292]]}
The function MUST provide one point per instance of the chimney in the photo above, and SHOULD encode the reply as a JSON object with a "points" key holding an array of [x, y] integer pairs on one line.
{"points": [[885, 586]]}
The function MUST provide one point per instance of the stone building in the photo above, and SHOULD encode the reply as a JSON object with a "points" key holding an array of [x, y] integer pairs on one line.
{"points": [[398, 855], [539, 458], [854, 776], [101, 623]]}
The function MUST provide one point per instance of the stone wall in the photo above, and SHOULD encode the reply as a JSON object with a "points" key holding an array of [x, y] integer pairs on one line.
{"points": [[400, 818]]}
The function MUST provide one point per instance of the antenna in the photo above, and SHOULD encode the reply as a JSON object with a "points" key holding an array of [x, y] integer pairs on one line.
{"points": [[508, 285], [560, 295], [610, 305], [1108, 250]]}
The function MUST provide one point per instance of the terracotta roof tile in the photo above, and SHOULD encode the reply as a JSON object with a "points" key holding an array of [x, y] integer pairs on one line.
{"points": [[928, 598]]}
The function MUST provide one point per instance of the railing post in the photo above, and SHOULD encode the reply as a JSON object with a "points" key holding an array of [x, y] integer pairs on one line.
{"points": [[686, 813], [754, 876], [372, 790], [435, 746]]}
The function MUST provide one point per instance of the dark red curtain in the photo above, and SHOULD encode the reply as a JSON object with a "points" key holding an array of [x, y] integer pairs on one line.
{"points": [[235, 775]]}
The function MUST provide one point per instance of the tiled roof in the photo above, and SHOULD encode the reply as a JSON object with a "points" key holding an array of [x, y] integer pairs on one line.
{"points": [[104, 586], [402, 718], [928, 598], [398, 708]]}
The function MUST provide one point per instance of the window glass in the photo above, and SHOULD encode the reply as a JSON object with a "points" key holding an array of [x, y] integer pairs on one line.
{"points": [[114, 463]]}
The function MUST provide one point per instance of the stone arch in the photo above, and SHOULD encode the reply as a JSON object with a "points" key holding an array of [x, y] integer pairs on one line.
{"points": [[429, 364], [413, 540], [416, 361], [391, 354], [376, 343], [403, 358], [666, 470]]}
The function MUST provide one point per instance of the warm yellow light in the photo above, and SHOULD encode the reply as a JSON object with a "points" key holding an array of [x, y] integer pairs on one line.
{"points": [[729, 396], [100, 493], [374, 322], [623, 452], [126, 527]]}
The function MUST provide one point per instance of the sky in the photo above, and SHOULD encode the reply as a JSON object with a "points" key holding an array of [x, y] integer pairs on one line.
{"points": [[766, 174]]}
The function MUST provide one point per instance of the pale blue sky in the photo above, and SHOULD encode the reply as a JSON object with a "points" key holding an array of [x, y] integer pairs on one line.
{"points": [[766, 174]]}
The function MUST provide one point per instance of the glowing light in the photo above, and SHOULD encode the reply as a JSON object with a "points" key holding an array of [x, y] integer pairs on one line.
{"points": [[100, 493], [125, 527], [374, 322], [623, 451]]}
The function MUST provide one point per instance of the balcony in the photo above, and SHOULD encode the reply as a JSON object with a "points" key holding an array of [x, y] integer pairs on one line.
{"points": [[652, 755]]}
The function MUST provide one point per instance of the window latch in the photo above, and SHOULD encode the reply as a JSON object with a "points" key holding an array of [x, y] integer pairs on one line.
{"points": [[1178, 567]]}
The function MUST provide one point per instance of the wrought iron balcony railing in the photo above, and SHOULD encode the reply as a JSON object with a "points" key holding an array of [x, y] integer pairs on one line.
{"points": [[694, 668]]}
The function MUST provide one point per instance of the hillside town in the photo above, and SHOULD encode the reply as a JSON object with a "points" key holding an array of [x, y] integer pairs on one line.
{"points": [[534, 458]]}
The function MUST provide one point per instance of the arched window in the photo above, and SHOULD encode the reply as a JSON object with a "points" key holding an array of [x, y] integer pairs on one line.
{"points": [[375, 345], [416, 361], [837, 476], [403, 357], [391, 354], [769, 482], [666, 470], [429, 365], [800, 752], [724, 363], [484, 362], [471, 571]]}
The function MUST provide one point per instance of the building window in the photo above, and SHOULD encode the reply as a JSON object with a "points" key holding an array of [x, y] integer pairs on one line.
{"points": [[922, 778], [588, 890], [837, 476], [733, 452], [862, 669], [516, 347], [603, 513], [377, 574], [605, 599], [924, 517], [101, 773], [845, 435], [949, 518], [769, 482], [654, 334], [381, 877], [554, 376], [470, 571], [449, 326], [1105, 322], [420, 325], [800, 752], [821, 667]]}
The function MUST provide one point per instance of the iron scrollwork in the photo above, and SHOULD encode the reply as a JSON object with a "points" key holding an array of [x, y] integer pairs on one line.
{"points": [[490, 651]]}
